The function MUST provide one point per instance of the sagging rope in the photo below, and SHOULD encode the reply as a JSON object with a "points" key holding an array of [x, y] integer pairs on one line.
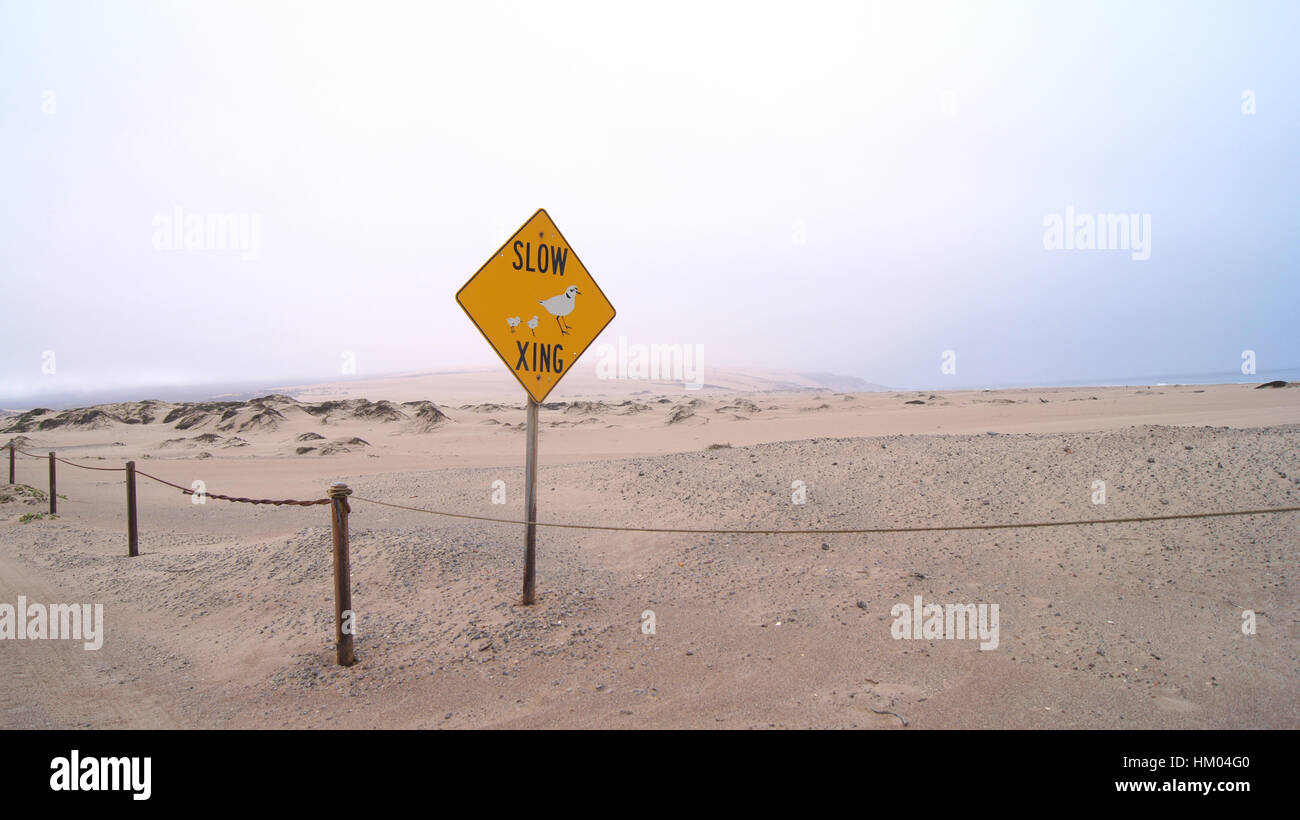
{"points": [[278, 503], [852, 531], [187, 490], [87, 467], [75, 464]]}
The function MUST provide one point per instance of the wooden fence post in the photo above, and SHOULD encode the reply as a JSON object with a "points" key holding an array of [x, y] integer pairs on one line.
{"points": [[11, 462], [132, 533], [344, 618], [54, 498]]}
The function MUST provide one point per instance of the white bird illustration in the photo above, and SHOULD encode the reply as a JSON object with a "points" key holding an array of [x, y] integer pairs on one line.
{"points": [[561, 306], [532, 325], [514, 323]]}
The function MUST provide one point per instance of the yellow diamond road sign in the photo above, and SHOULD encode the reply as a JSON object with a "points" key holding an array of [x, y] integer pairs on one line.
{"points": [[537, 305]]}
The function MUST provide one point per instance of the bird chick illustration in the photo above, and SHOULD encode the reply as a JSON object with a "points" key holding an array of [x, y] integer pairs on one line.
{"points": [[532, 325], [514, 323], [561, 306]]}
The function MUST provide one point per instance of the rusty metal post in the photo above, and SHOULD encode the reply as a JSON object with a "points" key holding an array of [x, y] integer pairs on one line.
{"points": [[344, 618], [132, 533], [54, 498]]}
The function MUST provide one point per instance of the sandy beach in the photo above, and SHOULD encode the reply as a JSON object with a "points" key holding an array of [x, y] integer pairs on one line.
{"points": [[225, 619]]}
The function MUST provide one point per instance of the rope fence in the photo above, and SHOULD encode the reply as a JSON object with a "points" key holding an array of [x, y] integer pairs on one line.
{"points": [[847, 531], [685, 530], [186, 490], [338, 500]]}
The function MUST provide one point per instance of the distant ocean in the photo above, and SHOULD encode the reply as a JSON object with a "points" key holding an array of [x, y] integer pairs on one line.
{"points": [[1287, 374]]}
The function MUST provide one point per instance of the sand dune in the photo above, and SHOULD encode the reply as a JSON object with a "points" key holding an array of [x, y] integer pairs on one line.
{"points": [[224, 620]]}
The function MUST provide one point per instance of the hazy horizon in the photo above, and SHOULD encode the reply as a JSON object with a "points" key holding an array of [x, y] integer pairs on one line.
{"points": [[236, 391], [844, 188]]}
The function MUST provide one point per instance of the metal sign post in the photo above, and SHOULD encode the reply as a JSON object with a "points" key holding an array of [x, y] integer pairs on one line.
{"points": [[530, 505]]}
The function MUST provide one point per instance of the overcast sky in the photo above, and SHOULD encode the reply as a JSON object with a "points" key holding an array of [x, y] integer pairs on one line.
{"points": [[818, 187]]}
